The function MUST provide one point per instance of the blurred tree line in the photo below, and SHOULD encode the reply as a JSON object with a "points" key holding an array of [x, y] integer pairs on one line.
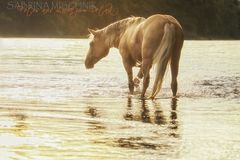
{"points": [[201, 19]]}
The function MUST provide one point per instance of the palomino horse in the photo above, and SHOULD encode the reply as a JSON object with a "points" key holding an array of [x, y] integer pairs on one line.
{"points": [[141, 42]]}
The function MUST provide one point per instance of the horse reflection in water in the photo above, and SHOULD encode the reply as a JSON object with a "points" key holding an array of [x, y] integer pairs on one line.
{"points": [[157, 118], [20, 124], [94, 126], [159, 127]]}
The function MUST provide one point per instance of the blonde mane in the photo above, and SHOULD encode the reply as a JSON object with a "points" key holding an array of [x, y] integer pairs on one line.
{"points": [[122, 24], [114, 31], [118, 27]]}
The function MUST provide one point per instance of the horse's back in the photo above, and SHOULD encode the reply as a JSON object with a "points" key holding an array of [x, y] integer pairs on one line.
{"points": [[160, 19]]}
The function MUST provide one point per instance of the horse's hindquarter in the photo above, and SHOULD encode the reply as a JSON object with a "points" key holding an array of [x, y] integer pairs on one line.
{"points": [[153, 31]]}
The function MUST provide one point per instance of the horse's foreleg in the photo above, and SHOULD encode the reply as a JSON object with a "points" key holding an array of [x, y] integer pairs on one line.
{"points": [[146, 66], [128, 69], [138, 78]]}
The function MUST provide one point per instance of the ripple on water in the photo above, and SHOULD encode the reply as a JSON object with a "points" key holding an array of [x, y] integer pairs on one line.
{"points": [[220, 87]]}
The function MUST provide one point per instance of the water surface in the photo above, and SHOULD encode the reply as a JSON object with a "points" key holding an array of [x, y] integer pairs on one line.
{"points": [[52, 108]]}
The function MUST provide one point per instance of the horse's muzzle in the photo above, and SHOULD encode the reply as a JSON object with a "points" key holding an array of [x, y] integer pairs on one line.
{"points": [[88, 65]]}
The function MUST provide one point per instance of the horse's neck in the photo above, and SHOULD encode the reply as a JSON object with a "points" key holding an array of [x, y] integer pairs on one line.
{"points": [[115, 31]]}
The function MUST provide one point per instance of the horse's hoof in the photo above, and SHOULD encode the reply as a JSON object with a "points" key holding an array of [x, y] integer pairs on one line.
{"points": [[130, 95], [150, 97], [136, 85], [136, 82], [175, 97]]}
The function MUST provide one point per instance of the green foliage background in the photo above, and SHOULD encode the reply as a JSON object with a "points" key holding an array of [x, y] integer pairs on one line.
{"points": [[201, 19]]}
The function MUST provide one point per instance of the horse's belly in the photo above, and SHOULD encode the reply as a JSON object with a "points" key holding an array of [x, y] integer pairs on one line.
{"points": [[136, 52], [135, 46]]}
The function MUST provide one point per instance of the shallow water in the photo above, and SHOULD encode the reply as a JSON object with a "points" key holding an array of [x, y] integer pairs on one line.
{"points": [[52, 108]]}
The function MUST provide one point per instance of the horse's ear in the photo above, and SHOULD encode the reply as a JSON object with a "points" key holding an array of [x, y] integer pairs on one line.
{"points": [[92, 31]]}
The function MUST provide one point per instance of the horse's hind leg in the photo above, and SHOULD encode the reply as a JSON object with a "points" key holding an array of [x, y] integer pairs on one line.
{"points": [[174, 69], [128, 69]]}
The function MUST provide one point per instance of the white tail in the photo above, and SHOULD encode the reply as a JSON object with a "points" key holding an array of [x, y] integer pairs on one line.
{"points": [[162, 56]]}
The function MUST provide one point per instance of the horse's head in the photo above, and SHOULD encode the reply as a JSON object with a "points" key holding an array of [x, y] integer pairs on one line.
{"points": [[98, 48]]}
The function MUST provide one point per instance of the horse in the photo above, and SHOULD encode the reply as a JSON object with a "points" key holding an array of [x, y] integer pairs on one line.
{"points": [[142, 42]]}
